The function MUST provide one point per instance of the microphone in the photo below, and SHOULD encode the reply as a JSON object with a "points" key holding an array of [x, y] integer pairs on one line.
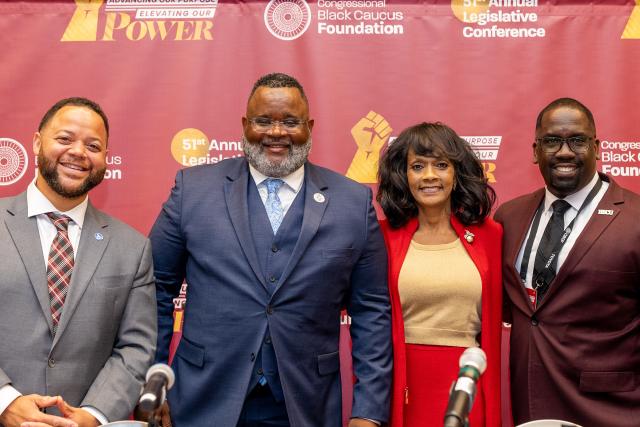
{"points": [[473, 363], [160, 378]]}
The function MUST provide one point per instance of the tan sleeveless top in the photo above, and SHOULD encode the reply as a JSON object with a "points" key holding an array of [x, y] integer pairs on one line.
{"points": [[440, 292]]}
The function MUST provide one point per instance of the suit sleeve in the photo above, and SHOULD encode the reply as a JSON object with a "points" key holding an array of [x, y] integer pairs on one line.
{"points": [[506, 308], [169, 258], [117, 385], [370, 312]]}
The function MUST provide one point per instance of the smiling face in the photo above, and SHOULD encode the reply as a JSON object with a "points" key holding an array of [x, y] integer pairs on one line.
{"points": [[430, 181], [71, 150], [278, 151], [566, 172]]}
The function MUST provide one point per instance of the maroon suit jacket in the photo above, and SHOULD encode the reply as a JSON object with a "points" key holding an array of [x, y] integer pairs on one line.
{"points": [[577, 356]]}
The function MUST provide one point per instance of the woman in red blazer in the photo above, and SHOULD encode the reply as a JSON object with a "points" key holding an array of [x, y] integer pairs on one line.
{"points": [[444, 273]]}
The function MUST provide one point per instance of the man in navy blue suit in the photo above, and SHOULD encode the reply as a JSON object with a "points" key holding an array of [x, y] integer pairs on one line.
{"points": [[272, 248]]}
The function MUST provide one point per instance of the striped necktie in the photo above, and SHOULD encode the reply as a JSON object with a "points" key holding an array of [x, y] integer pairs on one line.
{"points": [[59, 267]]}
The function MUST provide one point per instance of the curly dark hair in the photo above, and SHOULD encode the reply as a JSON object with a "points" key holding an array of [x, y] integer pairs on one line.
{"points": [[471, 199]]}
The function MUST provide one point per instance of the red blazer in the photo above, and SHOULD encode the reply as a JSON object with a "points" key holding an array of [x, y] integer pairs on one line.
{"points": [[485, 251]]}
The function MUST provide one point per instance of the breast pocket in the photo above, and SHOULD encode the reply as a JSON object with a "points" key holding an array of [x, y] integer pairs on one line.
{"points": [[110, 293], [343, 253], [329, 363], [607, 382]]}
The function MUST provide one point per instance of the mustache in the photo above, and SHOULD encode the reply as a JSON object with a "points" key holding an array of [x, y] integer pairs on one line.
{"points": [[268, 140]]}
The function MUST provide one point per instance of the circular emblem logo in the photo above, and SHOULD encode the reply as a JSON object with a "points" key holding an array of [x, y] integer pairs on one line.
{"points": [[287, 19], [13, 161]]}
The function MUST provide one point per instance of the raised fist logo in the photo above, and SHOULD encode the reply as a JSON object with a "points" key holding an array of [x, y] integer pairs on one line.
{"points": [[370, 134], [83, 26]]}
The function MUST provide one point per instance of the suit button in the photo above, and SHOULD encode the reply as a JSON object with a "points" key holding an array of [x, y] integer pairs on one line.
{"points": [[253, 357], [51, 362], [272, 279], [274, 248], [267, 340], [534, 321], [269, 309], [260, 371]]}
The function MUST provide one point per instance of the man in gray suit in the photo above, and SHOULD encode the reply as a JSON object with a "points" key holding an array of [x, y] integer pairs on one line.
{"points": [[78, 315]]}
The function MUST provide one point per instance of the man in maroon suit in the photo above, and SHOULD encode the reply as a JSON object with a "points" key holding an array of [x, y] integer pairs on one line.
{"points": [[571, 268]]}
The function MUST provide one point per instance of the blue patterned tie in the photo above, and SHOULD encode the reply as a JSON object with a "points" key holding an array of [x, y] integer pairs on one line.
{"points": [[273, 205]]}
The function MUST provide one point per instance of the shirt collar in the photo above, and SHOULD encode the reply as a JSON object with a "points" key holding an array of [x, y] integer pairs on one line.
{"points": [[38, 204], [576, 199], [293, 180]]}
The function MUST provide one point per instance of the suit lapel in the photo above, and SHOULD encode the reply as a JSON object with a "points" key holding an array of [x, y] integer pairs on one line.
{"points": [[612, 201], [26, 237], [235, 194], [520, 230], [94, 240], [314, 208]]}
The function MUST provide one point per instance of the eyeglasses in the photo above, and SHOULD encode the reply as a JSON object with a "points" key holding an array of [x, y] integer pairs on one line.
{"points": [[553, 144], [264, 124]]}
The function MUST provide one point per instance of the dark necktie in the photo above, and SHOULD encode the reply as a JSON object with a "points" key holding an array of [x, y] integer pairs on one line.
{"points": [[59, 267], [550, 238]]}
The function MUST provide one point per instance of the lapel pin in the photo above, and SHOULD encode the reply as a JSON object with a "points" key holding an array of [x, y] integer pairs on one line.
{"points": [[605, 212], [318, 197], [468, 236], [99, 236]]}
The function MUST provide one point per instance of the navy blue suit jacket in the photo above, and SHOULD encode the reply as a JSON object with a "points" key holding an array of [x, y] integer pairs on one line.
{"points": [[203, 235]]}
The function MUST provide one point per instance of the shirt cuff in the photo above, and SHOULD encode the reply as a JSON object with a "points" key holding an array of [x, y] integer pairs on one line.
{"points": [[97, 414], [7, 395]]}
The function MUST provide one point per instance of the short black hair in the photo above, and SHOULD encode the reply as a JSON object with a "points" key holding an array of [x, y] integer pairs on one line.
{"points": [[471, 199], [566, 102], [75, 101], [276, 80]]}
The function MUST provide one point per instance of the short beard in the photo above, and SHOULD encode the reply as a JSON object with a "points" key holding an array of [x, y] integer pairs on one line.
{"points": [[297, 157], [49, 173]]}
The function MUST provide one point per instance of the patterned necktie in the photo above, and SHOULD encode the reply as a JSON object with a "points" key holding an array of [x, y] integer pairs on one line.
{"points": [[273, 204], [59, 267], [550, 238]]}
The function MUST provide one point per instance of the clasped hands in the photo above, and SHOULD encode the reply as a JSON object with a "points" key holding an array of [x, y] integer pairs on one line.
{"points": [[25, 411]]}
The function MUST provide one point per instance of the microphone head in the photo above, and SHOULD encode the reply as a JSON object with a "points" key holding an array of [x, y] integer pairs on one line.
{"points": [[474, 357], [162, 369]]}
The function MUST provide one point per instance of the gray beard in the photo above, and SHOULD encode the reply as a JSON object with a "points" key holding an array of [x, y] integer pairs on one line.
{"points": [[297, 156]]}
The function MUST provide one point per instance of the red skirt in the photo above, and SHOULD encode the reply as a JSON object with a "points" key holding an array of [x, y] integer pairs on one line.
{"points": [[431, 371]]}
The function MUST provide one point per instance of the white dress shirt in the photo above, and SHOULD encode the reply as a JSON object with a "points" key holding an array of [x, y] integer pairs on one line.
{"points": [[38, 205], [575, 200], [287, 192]]}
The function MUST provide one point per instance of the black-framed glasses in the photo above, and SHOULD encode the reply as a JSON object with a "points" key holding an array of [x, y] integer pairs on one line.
{"points": [[552, 144], [265, 124]]}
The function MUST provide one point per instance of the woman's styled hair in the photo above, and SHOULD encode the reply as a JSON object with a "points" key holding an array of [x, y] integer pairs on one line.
{"points": [[472, 197]]}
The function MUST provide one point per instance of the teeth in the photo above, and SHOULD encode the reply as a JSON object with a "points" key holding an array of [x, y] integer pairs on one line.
{"points": [[566, 168], [75, 167], [430, 189]]}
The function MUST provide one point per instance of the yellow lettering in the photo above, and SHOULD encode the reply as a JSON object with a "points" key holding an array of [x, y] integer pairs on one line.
{"points": [[162, 28], [111, 24], [200, 32], [489, 168], [131, 29], [183, 30]]}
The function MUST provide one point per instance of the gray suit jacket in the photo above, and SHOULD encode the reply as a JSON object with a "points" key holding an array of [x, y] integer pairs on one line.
{"points": [[107, 333]]}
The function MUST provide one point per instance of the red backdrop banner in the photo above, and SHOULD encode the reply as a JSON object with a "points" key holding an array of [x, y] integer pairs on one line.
{"points": [[174, 75]]}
